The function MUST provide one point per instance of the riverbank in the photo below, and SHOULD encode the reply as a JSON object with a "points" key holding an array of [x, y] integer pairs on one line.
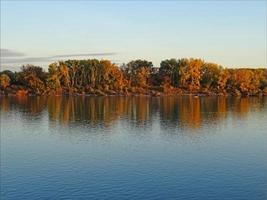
{"points": [[23, 91]]}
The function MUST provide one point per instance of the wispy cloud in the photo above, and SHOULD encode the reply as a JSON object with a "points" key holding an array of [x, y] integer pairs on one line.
{"points": [[10, 53], [85, 54], [13, 57], [24, 60]]}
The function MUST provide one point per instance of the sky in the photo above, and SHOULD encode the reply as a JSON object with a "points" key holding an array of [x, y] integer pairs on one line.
{"points": [[231, 33]]}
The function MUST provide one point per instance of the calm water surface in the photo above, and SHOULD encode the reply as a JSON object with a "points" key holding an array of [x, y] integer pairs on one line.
{"points": [[133, 148]]}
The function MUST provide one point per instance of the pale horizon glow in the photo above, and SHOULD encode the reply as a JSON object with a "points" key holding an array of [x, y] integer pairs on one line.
{"points": [[230, 33]]}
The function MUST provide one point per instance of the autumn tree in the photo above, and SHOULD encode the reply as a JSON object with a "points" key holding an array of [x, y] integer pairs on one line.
{"points": [[104, 77], [138, 72], [112, 76], [262, 77], [210, 75], [223, 79], [65, 79], [53, 78], [33, 77], [4, 81], [189, 73], [11, 75], [244, 81]]}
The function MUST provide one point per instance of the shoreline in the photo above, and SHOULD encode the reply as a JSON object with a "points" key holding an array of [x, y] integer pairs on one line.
{"points": [[124, 94]]}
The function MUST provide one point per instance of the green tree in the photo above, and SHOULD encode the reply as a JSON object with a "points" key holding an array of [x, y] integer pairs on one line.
{"points": [[138, 72], [169, 72]]}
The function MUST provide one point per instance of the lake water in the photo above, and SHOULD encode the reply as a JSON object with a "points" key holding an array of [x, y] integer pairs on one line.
{"points": [[133, 148]]}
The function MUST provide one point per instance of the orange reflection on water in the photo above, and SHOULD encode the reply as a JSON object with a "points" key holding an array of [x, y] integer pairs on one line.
{"points": [[183, 111]]}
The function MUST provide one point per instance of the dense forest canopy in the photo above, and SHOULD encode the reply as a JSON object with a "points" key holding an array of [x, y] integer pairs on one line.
{"points": [[102, 77]]}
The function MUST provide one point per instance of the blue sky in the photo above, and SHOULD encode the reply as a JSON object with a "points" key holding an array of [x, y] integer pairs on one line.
{"points": [[231, 33]]}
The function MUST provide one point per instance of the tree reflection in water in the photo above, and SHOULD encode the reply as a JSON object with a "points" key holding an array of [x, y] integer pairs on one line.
{"points": [[182, 111]]}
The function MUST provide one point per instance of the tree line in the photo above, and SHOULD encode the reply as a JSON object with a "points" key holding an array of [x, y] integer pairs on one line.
{"points": [[102, 77]]}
